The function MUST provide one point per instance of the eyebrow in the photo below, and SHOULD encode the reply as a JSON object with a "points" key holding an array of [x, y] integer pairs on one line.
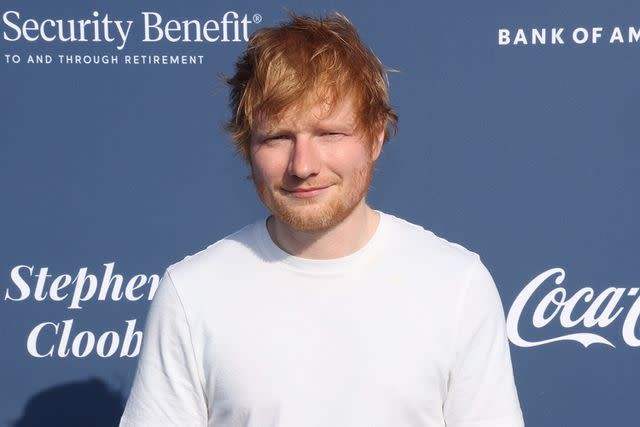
{"points": [[278, 130]]}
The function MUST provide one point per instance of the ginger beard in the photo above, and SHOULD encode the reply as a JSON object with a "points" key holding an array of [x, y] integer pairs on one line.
{"points": [[322, 211]]}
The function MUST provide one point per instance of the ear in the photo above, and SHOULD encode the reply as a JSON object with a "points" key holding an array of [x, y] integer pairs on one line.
{"points": [[376, 148]]}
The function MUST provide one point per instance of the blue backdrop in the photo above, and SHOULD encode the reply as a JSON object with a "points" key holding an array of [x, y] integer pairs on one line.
{"points": [[523, 152]]}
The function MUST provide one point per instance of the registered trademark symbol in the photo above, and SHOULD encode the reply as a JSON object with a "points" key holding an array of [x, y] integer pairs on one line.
{"points": [[257, 18]]}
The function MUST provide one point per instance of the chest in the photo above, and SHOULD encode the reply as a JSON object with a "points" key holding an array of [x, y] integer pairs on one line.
{"points": [[341, 347]]}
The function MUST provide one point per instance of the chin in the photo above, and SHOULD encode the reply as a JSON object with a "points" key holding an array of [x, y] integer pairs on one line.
{"points": [[308, 224], [305, 218], [316, 216]]}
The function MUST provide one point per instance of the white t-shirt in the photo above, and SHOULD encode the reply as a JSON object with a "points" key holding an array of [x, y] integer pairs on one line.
{"points": [[406, 332]]}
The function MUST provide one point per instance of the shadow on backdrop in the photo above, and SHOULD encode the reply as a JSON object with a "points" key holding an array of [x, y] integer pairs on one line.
{"points": [[78, 404]]}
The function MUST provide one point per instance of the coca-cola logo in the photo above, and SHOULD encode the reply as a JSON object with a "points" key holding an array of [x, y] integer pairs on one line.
{"points": [[585, 309]]}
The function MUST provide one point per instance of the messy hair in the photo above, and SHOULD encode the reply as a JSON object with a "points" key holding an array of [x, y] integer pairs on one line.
{"points": [[307, 60]]}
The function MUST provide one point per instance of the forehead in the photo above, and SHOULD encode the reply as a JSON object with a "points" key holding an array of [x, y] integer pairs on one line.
{"points": [[312, 113]]}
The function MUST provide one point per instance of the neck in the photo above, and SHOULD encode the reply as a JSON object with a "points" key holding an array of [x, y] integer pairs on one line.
{"points": [[340, 240]]}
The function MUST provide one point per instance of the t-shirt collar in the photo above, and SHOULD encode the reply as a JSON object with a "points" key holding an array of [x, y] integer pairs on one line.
{"points": [[335, 266]]}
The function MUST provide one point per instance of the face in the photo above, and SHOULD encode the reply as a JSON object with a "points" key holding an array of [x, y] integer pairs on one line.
{"points": [[313, 167]]}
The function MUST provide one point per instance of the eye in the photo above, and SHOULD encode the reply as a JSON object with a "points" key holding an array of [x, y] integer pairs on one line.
{"points": [[332, 134], [276, 138]]}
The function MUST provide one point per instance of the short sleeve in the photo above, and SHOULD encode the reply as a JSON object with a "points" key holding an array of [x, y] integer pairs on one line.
{"points": [[166, 389], [481, 389]]}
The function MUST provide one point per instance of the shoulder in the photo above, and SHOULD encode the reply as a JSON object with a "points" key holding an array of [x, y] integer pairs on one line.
{"points": [[419, 243], [226, 254]]}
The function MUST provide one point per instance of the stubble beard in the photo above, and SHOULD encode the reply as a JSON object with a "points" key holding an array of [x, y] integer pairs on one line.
{"points": [[311, 214]]}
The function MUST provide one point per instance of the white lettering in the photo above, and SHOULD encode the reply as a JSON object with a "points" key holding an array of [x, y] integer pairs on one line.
{"points": [[20, 283], [556, 36], [84, 343], [82, 288], [503, 36], [580, 35], [616, 36], [32, 340], [596, 33], [562, 306]]}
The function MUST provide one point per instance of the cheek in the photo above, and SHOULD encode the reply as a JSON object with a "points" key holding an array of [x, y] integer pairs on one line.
{"points": [[267, 165], [349, 160]]}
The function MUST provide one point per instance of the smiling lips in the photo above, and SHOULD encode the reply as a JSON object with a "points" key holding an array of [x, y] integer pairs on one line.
{"points": [[306, 192]]}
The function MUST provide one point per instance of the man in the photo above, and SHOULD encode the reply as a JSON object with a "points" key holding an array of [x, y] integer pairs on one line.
{"points": [[327, 312]]}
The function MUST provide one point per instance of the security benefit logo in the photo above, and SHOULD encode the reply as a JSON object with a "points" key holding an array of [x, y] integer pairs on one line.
{"points": [[546, 312], [62, 338], [111, 35]]}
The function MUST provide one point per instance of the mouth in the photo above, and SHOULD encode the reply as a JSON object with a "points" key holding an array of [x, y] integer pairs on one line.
{"points": [[305, 192]]}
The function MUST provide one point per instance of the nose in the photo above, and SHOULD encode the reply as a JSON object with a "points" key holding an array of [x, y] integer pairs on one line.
{"points": [[305, 157]]}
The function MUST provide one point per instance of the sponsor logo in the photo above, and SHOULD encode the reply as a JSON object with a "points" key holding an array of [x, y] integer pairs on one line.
{"points": [[586, 309], [101, 28], [62, 338], [560, 36]]}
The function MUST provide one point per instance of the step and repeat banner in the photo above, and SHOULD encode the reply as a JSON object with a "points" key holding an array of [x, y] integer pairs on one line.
{"points": [[518, 139]]}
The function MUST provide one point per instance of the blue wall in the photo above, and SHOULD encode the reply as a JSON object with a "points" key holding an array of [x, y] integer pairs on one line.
{"points": [[523, 153]]}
